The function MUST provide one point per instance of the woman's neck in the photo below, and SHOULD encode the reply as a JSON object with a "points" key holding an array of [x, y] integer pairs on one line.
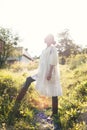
{"points": [[48, 45]]}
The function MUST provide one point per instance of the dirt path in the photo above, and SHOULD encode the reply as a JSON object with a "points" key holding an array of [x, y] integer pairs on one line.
{"points": [[46, 122]]}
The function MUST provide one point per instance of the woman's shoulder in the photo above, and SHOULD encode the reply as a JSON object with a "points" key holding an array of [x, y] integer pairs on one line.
{"points": [[53, 48]]}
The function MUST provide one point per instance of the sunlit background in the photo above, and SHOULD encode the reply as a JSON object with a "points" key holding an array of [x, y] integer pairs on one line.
{"points": [[32, 20]]}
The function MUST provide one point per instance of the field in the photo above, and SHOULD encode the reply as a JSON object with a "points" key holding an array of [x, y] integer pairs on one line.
{"points": [[34, 109]]}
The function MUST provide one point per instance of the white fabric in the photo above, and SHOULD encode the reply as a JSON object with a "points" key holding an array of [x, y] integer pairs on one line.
{"points": [[34, 76], [46, 87]]}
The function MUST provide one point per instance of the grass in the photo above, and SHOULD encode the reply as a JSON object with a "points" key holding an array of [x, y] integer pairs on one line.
{"points": [[72, 104]]}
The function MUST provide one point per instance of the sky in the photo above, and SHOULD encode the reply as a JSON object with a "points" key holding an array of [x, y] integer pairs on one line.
{"points": [[32, 20]]}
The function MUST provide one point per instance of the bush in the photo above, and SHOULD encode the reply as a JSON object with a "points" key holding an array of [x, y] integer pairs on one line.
{"points": [[73, 106], [75, 61], [62, 60], [81, 91], [32, 65], [9, 87], [17, 66], [8, 92]]}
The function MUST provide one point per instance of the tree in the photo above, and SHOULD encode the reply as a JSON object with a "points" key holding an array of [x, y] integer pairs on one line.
{"points": [[66, 46], [10, 41], [84, 50]]}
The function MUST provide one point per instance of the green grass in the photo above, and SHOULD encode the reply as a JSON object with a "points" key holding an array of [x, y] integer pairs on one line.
{"points": [[72, 104]]}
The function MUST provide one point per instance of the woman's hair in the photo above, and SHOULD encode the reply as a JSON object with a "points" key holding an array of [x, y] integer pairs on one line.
{"points": [[50, 38]]}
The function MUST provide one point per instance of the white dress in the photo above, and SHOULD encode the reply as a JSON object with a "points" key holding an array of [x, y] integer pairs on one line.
{"points": [[46, 87]]}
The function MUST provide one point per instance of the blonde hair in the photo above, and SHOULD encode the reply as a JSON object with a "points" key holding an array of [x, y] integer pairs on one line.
{"points": [[50, 38]]}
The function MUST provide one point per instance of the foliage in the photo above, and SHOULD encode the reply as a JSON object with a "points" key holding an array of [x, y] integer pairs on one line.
{"points": [[66, 45], [10, 84], [72, 105], [8, 92], [84, 50], [10, 41], [33, 65], [62, 60], [75, 61], [18, 67]]}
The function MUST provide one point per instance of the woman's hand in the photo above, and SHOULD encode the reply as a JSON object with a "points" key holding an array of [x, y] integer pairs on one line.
{"points": [[49, 76]]}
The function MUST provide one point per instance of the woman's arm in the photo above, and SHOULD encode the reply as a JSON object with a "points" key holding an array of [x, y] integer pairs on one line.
{"points": [[49, 75]]}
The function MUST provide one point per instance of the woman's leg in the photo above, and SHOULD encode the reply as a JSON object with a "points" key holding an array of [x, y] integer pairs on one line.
{"points": [[23, 90], [15, 110], [54, 105]]}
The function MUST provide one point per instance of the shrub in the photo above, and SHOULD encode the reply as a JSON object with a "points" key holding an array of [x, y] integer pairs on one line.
{"points": [[75, 61], [8, 92], [17, 66], [62, 60], [32, 65]]}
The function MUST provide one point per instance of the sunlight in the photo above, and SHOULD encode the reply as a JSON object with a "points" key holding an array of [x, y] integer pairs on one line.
{"points": [[32, 20]]}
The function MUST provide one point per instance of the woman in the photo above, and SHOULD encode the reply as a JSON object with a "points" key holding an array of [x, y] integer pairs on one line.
{"points": [[47, 79], [48, 82]]}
